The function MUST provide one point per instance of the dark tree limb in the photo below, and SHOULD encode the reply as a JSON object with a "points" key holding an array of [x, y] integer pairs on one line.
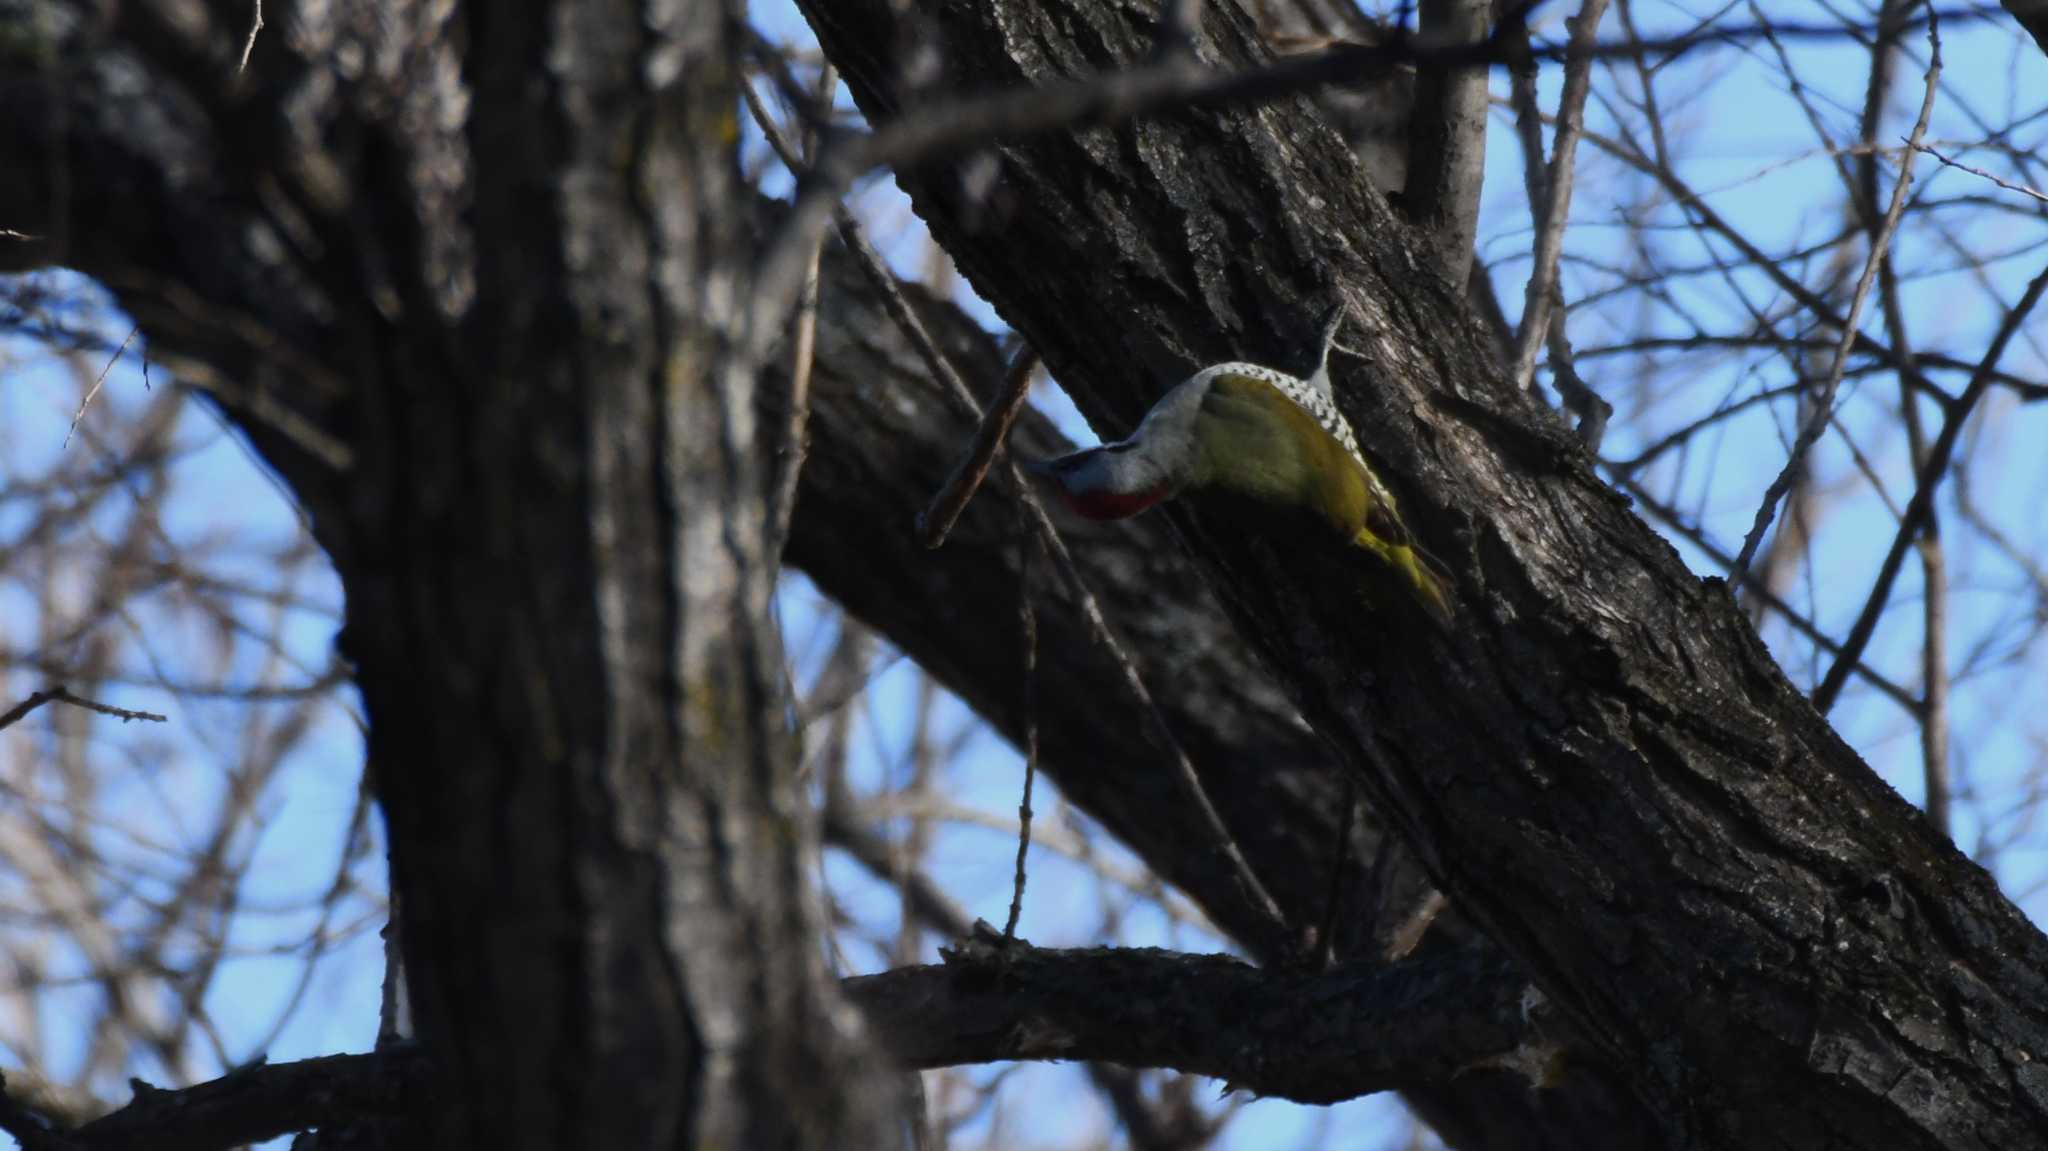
{"points": [[264, 1101], [1315, 1037], [247, 1105]]}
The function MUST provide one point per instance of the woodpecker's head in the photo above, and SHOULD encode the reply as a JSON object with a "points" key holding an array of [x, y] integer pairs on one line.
{"points": [[1111, 482]]}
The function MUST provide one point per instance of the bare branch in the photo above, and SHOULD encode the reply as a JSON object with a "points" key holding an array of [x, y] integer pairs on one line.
{"points": [[249, 45], [804, 343], [259, 1102], [936, 521], [1926, 482], [1554, 208], [2022, 189], [1028, 619], [1177, 81], [1313, 1037], [61, 694], [97, 381], [1824, 403]]}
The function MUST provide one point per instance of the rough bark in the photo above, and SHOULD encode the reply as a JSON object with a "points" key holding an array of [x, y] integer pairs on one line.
{"points": [[1313, 1037], [1610, 773], [478, 329]]}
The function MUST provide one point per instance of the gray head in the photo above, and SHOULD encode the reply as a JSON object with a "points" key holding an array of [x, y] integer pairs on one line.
{"points": [[1110, 482]]}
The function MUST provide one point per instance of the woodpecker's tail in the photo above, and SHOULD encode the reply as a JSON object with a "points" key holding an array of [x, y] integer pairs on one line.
{"points": [[1424, 579]]}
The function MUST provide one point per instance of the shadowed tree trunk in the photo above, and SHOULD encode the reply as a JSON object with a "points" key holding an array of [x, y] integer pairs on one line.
{"points": [[481, 334]]}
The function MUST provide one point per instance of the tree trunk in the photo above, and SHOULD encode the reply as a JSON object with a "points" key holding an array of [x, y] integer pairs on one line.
{"points": [[492, 325]]}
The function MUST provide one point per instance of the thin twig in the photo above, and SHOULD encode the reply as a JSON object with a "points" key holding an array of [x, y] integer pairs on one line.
{"points": [[1413, 926], [1922, 503], [1027, 618], [1579, 397], [936, 522], [804, 337], [100, 379], [1934, 677], [1555, 206], [2022, 189], [1824, 403], [62, 694], [249, 45], [1934, 680], [796, 431]]}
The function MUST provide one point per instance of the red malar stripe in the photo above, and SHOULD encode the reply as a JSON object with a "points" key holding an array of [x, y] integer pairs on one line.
{"points": [[1113, 505]]}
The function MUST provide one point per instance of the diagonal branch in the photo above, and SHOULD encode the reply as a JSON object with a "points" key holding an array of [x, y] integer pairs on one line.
{"points": [[254, 1103], [1824, 403], [1929, 478]]}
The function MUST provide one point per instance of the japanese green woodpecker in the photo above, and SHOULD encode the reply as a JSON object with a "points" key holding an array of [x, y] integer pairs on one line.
{"points": [[1258, 433]]}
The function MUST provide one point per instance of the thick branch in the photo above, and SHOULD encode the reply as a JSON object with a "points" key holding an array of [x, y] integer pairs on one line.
{"points": [[265, 1101], [1311, 1037], [1447, 137]]}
